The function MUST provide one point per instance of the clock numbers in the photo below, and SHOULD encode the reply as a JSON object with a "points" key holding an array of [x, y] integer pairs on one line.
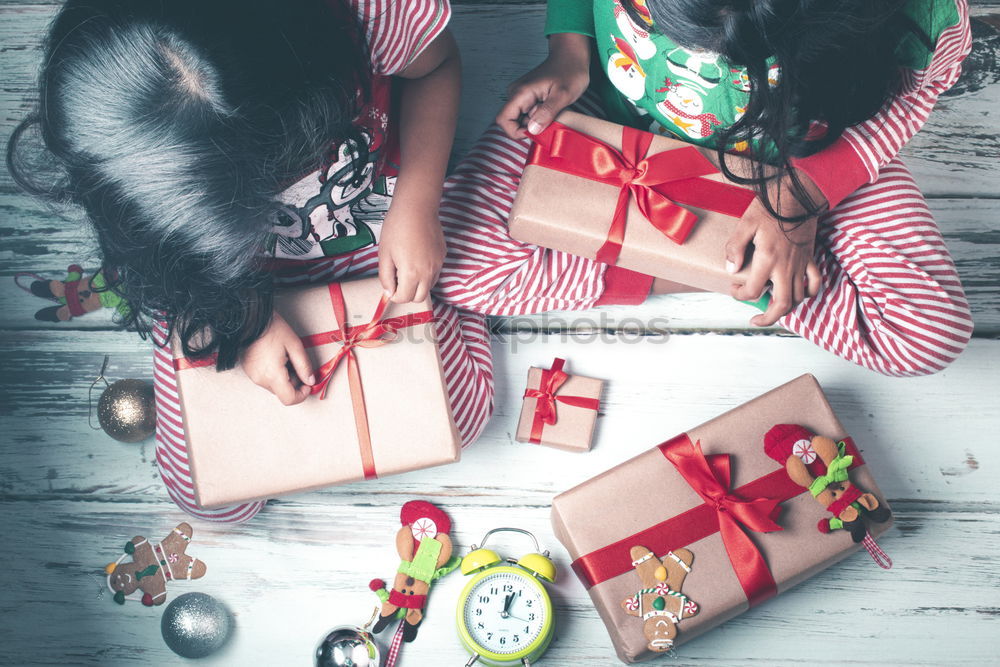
{"points": [[505, 612]]}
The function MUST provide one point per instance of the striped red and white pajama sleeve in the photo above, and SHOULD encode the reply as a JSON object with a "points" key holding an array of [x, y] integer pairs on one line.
{"points": [[890, 298]]}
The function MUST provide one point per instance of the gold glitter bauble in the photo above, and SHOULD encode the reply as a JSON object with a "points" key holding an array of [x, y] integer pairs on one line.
{"points": [[127, 410]]}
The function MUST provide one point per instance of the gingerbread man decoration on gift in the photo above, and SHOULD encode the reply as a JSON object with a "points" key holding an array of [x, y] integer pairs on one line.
{"points": [[425, 550], [660, 603], [152, 566], [796, 448]]}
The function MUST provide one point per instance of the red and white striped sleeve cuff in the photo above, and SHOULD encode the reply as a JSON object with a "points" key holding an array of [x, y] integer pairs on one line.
{"points": [[398, 31], [837, 170]]}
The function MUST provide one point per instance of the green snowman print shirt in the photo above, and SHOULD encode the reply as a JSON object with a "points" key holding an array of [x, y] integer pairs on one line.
{"points": [[692, 94]]}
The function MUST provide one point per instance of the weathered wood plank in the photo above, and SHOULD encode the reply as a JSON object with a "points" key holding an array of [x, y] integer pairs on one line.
{"points": [[658, 386], [299, 569], [36, 239], [945, 162]]}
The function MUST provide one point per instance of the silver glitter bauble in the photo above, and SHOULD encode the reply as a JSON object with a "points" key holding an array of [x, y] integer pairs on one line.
{"points": [[347, 646], [127, 410], [195, 625]]}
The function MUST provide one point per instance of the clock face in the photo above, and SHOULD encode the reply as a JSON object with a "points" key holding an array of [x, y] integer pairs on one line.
{"points": [[505, 612]]}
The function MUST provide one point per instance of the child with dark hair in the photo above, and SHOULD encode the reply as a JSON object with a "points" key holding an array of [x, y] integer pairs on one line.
{"points": [[821, 94], [224, 148]]}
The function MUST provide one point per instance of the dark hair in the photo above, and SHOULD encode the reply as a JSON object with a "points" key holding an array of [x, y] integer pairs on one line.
{"points": [[175, 124], [838, 68]]}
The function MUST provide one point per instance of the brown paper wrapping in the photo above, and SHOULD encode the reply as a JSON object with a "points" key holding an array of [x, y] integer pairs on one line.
{"points": [[648, 489], [564, 212], [243, 444], [574, 427]]}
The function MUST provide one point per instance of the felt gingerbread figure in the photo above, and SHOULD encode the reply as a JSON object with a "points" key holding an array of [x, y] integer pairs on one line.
{"points": [[660, 603], [152, 566], [796, 448], [76, 295], [425, 550]]}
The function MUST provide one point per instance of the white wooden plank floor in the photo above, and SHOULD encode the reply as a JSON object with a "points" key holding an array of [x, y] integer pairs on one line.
{"points": [[70, 496]]}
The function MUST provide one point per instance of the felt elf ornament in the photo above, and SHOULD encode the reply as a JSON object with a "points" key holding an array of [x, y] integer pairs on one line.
{"points": [[660, 603], [152, 566], [796, 448], [425, 550], [75, 294]]}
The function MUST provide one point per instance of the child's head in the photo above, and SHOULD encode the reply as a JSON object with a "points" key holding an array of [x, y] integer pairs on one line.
{"points": [[837, 60], [174, 124]]}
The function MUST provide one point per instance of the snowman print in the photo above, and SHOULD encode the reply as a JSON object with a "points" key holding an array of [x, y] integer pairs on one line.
{"points": [[635, 35], [684, 107], [700, 65], [624, 70]]}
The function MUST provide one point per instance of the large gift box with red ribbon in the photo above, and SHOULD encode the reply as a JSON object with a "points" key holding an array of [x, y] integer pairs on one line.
{"points": [[699, 529], [380, 406], [559, 409], [630, 198]]}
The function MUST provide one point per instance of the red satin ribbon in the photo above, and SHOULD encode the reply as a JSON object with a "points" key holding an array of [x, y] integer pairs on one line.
{"points": [[375, 333], [545, 397], [657, 182], [753, 506]]}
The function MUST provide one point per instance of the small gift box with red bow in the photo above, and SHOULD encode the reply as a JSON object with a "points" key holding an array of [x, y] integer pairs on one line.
{"points": [[710, 523], [630, 198], [380, 406], [559, 409]]}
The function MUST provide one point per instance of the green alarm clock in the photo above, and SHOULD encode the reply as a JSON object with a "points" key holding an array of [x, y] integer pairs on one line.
{"points": [[504, 611]]}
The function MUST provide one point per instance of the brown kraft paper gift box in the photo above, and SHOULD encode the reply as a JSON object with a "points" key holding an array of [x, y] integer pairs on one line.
{"points": [[647, 490], [243, 444], [574, 426], [573, 214]]}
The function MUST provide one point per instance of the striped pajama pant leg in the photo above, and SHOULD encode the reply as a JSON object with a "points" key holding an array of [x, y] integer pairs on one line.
{"points": [[890, 299], [467, 361]]}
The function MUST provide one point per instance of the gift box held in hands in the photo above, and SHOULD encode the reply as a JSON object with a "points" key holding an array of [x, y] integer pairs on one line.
{"points": [[630, 198], [380, 407], [708, 523], [559, 410]]}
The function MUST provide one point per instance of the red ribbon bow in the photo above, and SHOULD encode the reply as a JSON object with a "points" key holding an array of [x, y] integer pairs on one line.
{"points": [[656, 182], [753, 506], [375, 333], [546, 397]]}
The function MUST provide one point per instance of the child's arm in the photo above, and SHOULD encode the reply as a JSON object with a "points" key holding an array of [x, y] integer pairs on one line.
{"points": [[412, 249], [835, 172], [536, 98]]}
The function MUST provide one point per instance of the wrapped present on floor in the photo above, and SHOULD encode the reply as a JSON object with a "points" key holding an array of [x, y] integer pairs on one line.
{"points": [[699, 529], [559, 410], [380, 406], [621, 196]]}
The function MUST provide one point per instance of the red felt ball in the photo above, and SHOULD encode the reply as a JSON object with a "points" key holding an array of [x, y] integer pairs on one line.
{"points": [[779, 440], [147, 600], [376, 584], [823, 526]]}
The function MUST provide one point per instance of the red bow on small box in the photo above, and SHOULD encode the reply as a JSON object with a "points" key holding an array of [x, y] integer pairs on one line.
{"points": [[546, 397], [656, 182]]}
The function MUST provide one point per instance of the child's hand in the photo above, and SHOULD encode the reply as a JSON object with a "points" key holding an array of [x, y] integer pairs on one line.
{"points": [[411, 252], [277, 362], [538, 96], [785, 259]]}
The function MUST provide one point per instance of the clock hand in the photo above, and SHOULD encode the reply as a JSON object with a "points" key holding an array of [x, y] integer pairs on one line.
{"points": [[506, 605]]}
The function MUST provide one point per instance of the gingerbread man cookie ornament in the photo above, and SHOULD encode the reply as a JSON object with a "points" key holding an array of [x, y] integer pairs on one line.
{"points": [[660, 603], [152, 566]]}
